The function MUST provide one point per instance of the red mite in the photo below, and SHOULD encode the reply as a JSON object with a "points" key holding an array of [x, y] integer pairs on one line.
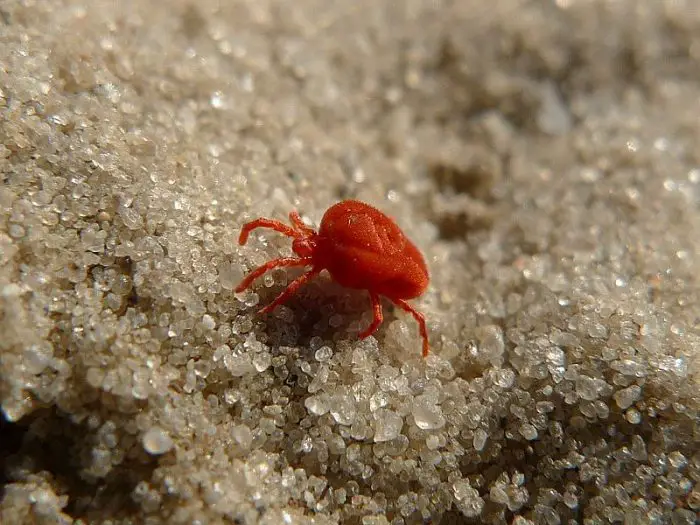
{"points": [[361, 248]]}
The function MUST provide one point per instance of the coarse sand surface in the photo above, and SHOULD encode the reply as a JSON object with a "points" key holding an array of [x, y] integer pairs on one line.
{"points": [[543, 155]]}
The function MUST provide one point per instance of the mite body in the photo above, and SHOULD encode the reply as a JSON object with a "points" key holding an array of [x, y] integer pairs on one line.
{"points": [[361, 248]]}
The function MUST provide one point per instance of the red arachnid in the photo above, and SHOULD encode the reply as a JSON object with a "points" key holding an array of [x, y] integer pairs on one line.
{"points": [[361, 248]]}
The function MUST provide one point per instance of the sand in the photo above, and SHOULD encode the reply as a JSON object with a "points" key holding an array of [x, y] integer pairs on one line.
{"points": [[542, 155]]}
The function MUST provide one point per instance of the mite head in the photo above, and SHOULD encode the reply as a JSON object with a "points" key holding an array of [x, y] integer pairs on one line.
{"points": [[305, 246]]}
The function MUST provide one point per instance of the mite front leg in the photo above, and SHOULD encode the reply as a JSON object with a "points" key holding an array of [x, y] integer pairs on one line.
{"points": [[290, 290], [302, 228], [266, 223], [275, 263]]}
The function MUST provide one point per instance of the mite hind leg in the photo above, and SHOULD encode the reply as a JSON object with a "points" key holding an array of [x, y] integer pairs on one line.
{"points": [[420, 318], [378, 316]]}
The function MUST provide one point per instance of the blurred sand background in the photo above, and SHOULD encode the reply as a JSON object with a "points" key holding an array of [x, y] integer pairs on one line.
{"points": [[543, 155]]}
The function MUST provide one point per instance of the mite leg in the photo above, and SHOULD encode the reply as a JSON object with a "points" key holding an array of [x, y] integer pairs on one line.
{"points": [[274, 263], [299, 225], [265, 223], [291, 289], [419, 318], [378, 316]]}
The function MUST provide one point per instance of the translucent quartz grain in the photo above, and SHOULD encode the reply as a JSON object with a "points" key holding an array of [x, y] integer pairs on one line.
{"points": [[480, 438], [627, 396], [528, 431], [426, 414], [262, 361], [323, 354], [343, 409], [504, 378], [387, 425], [156, 441], [468, 500], [318, 404]]}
